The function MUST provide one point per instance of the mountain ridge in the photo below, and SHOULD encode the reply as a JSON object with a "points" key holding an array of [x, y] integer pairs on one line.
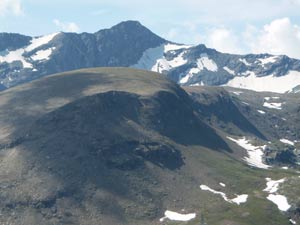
{"points": [[130, 44]]}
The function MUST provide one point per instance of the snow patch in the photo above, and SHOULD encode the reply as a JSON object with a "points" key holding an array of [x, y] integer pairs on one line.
{"points": [[267, 98], [269, 83], [197, 84], [255, 153], [222, 184], [189, 75], [202, 63], [18, 55], [205, 62], [273, 105], [261, 112], [42, 54], [153, 58], [240, 199], [174, 47], [39, 41], [237, 92], [229, 70], [174, 216], [237, 200], [279, 200], [273, 185], [245, 62], [286, 141], [268, 60]]}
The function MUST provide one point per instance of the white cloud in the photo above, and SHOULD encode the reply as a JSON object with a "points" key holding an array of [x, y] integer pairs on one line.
{"points": [[223, 40], [66, 26], [11, 7], [279, 37]]}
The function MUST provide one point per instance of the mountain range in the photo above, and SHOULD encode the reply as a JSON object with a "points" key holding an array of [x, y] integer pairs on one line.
{"points": [[130, 44]]}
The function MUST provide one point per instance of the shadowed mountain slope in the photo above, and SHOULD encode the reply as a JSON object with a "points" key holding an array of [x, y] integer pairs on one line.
{"points": [[91, 147]]}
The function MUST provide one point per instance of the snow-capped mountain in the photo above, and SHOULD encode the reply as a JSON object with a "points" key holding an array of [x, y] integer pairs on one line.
{"points": [[25, 58], [198, 65], [130, 44]]}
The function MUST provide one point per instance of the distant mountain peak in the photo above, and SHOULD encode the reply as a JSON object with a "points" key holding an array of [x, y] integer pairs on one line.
{"points": [[126, 26], [129, 23], [134, 29]]}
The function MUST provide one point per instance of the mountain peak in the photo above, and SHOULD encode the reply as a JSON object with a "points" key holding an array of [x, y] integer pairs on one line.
{"points": [[129, 23], [133, 27]]}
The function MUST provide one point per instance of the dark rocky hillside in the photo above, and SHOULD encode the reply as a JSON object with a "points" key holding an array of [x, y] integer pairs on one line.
{"points": [[121, 146]]}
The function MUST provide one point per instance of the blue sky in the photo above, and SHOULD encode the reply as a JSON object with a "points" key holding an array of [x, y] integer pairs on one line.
{"points": [[235, 26]]}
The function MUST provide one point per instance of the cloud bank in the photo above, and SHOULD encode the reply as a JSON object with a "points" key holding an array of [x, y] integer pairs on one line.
{"points": [[279, 37]]}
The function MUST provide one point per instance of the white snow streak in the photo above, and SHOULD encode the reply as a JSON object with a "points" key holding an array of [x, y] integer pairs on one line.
{"points": [[255, 153], [268, 60], [238, 200], [245, 62], [273, 105], [237, 92], [174, 216], [222, 184], [261, 112], [229, 70], [286, 141]]}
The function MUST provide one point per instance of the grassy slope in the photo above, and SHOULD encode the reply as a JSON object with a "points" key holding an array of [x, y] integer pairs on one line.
{"points": [[243, 179], [209, 168], [175, 189]]}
